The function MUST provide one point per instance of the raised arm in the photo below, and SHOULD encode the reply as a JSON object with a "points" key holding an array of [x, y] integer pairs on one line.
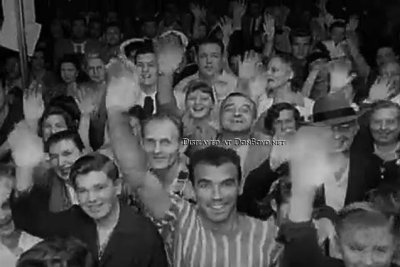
{"points": [[169, 59], [27, 204], [309, 164], [127, 149]]}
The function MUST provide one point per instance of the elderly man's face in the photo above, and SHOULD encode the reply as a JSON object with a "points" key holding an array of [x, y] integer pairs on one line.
{"points": [[162, 143], [237, 115], [385, 126], [343, 135], [96, 70]]}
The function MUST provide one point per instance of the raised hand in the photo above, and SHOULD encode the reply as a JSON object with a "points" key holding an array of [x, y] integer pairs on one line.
{"points": [[86, 100], [269, 27], [198, 12], [26, 146], [169, 59], [250, 66], [353, 23], [340, 75], [33, 103], [381, 89], [310, 165], [226, 25], [123, 90], [239, 9]]}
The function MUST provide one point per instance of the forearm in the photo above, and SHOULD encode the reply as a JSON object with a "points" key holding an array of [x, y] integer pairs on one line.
{"points": [[196, 27], [268, 49], [309, 83], [83, 130], [165, 94], [24, 178], [126, 147], [33, 124]]}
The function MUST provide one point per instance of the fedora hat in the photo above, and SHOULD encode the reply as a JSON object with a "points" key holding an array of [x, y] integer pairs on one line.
{"points": [[333, 109]]}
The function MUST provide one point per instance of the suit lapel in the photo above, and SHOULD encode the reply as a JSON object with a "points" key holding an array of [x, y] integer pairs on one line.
{"points": [[356, 174], [255, 156]]}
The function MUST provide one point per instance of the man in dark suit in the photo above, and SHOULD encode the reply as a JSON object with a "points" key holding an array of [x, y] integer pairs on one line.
{"points": [[364, 235], [114, 233], [356, 172]]}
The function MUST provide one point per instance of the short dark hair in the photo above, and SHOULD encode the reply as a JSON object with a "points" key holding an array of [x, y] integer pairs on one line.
{"points": [[210, 40], [197, 85], [65, 135], [53, 252], [68, 104], [95, 20], [273, 114], [215, 156], [75, 60], [285, 58], [94, 162], [146, 47], [239, 94], [113, 25], [137, 112], [337, 24], [164, 117], [78, 18], [54, 110], [299, 32]]}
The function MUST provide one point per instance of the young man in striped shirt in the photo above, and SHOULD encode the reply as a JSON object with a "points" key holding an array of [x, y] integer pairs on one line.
{"points": [[210, 233]]}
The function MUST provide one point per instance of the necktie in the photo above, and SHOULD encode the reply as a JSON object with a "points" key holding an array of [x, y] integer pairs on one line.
{"points": [[148, 105]]}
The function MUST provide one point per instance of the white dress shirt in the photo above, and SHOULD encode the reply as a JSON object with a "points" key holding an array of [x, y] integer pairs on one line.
{"points": [[9, 259], [336, 190]]}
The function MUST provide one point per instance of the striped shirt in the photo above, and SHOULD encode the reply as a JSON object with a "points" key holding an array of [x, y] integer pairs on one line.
{"points": [[196, 246]]}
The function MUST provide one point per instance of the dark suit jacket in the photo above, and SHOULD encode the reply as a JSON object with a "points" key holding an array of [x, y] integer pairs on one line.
{"points": [[364, 175], [134, 242]]}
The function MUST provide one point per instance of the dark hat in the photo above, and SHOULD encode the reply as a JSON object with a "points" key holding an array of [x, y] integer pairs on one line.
{"points": [[332, 109]]}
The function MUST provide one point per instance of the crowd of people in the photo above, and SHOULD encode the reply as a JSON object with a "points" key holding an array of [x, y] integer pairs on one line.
{"points": [[238, 141]]}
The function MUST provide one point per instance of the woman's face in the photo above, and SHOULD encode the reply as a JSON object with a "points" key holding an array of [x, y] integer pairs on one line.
{"points": [[53, 124], [69, 72], [199, 104], [285, 123], [278, 73]]}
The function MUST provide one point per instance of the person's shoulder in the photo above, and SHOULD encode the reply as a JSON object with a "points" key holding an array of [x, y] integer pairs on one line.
{"points": [[129, 217]]}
